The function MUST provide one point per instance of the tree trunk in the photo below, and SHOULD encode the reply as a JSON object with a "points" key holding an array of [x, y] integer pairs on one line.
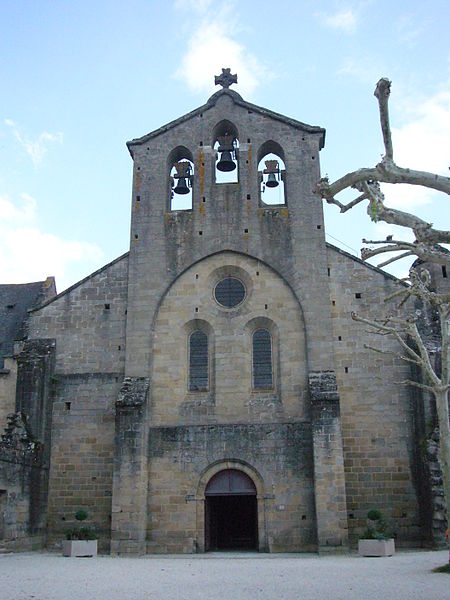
{"points": [[441, 396]]}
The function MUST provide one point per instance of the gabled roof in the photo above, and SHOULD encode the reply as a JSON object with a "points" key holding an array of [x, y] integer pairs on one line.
{"points": [[366, 264], [78, 283], [15, 301], [237, 99]]}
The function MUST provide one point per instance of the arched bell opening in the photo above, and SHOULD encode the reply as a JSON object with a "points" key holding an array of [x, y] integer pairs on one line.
{"points": [[271, 173], [181, 179], [226, 146], [231, 512]]}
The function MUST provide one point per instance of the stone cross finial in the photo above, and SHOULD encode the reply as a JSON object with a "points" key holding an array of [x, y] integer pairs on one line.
{"points": [[226, 79]]}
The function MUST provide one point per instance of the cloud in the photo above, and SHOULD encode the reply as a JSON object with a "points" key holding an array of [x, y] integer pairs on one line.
{"points": [[29, 254], [199, 6], [9, 212], [363, 68], [37, 148], [344, 20], [211, 47], [422, 143], [409, 28]]}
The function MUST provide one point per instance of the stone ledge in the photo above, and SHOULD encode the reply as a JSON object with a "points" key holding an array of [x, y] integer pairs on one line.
{"points": [[323, 386], [133, 392]]}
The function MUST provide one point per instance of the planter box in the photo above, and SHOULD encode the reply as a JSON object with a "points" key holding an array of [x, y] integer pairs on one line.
{"points": [[376, 547], [81, 548]]}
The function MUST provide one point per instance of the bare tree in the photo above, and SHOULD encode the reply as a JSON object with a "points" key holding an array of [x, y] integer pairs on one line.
{"points": [[427, 246]]}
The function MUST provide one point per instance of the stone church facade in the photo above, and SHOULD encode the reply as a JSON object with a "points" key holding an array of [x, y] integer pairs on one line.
{"points": [[208, 389]]}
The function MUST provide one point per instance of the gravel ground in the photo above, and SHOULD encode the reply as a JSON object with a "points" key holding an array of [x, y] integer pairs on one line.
{"points": [[42, 576]]}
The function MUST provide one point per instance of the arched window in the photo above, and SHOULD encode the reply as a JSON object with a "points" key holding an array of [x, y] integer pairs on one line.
{"points": [[271, 172], [181, 178], [226, 145], [262, 359], [198, 361]]}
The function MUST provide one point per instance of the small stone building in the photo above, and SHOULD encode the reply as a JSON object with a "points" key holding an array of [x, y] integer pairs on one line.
{"points": [[208, 389]]}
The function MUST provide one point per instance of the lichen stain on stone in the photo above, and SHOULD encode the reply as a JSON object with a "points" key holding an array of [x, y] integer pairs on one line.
{"points": [[138, 182], [248, 209], [201, 172], [260, 213], [166, 219], [285, 213], [249, 158], [202, 209]]}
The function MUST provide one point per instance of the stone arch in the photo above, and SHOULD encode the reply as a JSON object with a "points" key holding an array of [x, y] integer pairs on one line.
{"points": [[189, 297], [226, 270], [182, 155], [257, 479], [274, 153], [222, 128], [270, 147], [179, 153], [223, 131]]}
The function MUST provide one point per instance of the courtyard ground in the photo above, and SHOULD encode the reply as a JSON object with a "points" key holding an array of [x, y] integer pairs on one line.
{"points": [[44, 576]]}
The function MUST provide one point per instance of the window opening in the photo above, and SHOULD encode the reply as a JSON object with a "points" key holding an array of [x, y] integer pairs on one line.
{"points": [[198, 361], [226, 148], [271, 173], [229, 292], [181, 178], [262, 359]]}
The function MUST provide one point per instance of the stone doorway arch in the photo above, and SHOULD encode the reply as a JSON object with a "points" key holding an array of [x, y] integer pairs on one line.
{"points": [[231, 490]]}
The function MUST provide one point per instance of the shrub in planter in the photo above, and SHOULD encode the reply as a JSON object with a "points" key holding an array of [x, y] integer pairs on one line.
{"points": [[376, 540], [81, 540]]}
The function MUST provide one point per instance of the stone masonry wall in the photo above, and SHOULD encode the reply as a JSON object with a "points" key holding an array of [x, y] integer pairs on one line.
{"points": [[226, 216], [329, 478], [189, 305], [286, 240], [88, 323], [280, 453], [82, 453], [376, 410], [8, 379]]}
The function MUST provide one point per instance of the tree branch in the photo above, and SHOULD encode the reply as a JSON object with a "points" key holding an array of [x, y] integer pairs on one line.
{"points": [[423, 386], [391, 330], [395, 247], [392, 353], [382, 173], [394, 258], [431, 352], [443, 315], [382, 92]]}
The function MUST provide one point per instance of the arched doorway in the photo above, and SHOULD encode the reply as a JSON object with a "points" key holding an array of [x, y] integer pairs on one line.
{"points": [[231, 512]]}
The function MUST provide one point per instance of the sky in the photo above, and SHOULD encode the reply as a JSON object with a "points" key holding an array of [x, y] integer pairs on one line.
{"points": [[79, 79]]}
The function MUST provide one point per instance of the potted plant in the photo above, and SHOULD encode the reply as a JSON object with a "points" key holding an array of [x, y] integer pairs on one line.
{"points": [[80, 540], [376, 540]]}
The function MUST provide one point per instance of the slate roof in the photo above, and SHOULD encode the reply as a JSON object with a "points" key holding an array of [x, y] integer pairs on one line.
{"points": [[15, 301]]}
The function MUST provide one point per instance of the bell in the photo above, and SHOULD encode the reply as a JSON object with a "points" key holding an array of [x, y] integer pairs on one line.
{"points": [[182, 187], [272, 181], [226, 162]]}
